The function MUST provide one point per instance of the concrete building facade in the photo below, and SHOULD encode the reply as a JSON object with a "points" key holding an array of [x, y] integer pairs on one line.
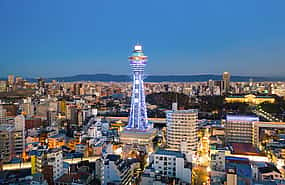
{"points": [[182, 125]]}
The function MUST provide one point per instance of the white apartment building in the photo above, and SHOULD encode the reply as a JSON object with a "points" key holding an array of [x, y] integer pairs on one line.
{"points": [[182, 125], [51, 157], [116, 171], [55, 159], [170, 164], [19, 135]]}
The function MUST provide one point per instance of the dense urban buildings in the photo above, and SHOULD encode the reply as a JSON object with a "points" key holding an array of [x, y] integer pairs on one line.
{"points": [[84, 132]]}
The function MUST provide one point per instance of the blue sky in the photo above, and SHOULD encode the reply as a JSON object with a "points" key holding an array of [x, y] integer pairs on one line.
{"points": [[68, 37]]}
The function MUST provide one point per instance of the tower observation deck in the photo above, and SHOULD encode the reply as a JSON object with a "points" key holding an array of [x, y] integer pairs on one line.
{"points": [[138, 114]]}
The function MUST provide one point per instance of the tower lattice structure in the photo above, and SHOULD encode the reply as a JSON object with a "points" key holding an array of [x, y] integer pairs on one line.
{"points": [[138, 114]]}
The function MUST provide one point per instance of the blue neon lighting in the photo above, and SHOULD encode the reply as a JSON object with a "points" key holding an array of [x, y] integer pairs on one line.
{"points": [[241, 118], [138, 114]]}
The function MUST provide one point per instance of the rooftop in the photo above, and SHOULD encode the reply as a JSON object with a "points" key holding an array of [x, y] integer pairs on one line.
{"points": [[249, 95], [113, 157], [245, 148], [183, 111], [170, 152], [268, 169], [241, 118], [6, 127]]}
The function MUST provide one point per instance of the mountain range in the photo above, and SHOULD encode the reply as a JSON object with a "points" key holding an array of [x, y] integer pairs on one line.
{"points": [[158, 78]]}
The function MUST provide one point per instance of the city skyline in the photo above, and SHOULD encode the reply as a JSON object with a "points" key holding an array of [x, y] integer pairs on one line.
{"points": [[142, 92], [244, 38]]}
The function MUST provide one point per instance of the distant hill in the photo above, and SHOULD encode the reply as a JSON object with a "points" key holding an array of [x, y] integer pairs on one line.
{"points": [[162, 78], [156, 78]]}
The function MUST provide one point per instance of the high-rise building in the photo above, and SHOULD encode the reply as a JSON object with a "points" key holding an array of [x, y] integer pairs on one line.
{"points": [[238, 129], [138, 129], [3, 86], [28, 107], [11, 79], [3, 115], [226, 82], [41, 86], [19, 135], [182, 125], [19, 80], [6, 142], [77, 87], [51, 117], [41, 83], [211, 85]]}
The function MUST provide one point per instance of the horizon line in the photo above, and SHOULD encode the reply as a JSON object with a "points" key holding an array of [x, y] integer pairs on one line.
{"points": [[198, 74]]}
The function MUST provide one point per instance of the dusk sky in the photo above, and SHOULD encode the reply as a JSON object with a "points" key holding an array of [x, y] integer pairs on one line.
{"points": [[53, 38]]}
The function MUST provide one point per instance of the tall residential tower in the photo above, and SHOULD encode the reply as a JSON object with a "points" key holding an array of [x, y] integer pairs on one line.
{"points": [[226, 83], [182, 128]]}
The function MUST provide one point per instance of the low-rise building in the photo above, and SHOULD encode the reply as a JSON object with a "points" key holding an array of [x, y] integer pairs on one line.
{"points": [[250, 98], [49, 162], [115, 170], [169, 164]]}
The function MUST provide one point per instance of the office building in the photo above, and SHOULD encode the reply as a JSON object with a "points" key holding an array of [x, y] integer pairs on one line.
{"points": [[226, 82], [3, 115], [182, 125], [211, 85], [41, 83], [19, 81], [51, 117], [6, 142], [19, 135], [11, 79], [259, 126], [28, 107], [3, 86], [238, 129]]}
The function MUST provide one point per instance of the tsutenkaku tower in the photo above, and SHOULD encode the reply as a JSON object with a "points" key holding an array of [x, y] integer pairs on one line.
{"points": [[138, 114]]}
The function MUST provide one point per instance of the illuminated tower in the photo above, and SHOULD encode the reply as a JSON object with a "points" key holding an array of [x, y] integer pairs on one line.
{"points": [[138, 114], [138, 132]]}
